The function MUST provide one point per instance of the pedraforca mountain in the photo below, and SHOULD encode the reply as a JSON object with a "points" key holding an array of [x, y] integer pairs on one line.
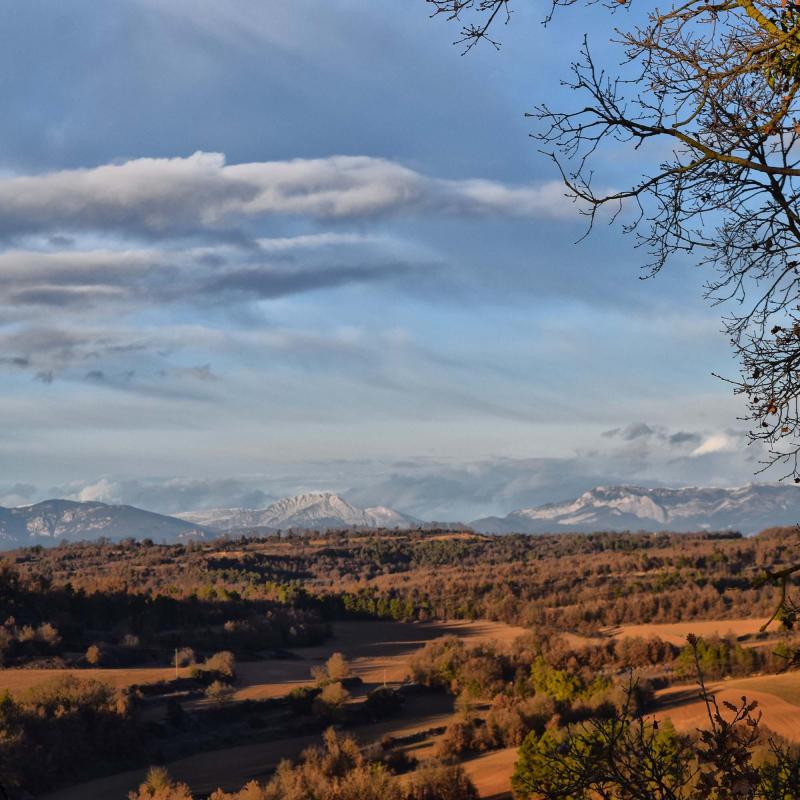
{"points": [[312, 511], [747, 509]]}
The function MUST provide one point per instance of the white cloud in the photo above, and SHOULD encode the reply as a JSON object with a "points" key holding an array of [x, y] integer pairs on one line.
{"points": [[103, 491], [716, 443], [158, 195]]}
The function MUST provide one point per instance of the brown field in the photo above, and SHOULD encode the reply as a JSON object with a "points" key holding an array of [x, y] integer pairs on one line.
{"points": [[18, 680], [375, 649], [778, 698], [491, 773], [676, 632]]}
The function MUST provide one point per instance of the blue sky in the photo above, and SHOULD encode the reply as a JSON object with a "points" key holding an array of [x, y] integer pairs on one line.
{"points": [[259, 247]]}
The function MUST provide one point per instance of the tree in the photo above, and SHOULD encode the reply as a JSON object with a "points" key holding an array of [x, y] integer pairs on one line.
{"points": [[159, 786], [626, 756], [717, 83], [94, 655], [709, 95], [337, 667]]}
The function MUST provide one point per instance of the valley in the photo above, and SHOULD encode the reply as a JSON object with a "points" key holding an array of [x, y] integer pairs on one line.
{"points": [[450, 645]]}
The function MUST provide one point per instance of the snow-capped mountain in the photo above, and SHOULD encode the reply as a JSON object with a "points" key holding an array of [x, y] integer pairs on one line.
{"points": [[747, 509], [53, 520], [313, 510]]}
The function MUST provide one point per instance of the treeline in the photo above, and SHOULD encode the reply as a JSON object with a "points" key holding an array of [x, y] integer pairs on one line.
{"points": [[45, 621]]}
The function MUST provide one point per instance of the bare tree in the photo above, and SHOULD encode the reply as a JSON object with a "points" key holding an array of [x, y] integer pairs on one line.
{"points": [[707, 94], [717, 81]]}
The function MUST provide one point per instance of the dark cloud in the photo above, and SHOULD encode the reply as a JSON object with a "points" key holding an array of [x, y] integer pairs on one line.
{"points": [[631, 432], [685, 437], [272, 283]]}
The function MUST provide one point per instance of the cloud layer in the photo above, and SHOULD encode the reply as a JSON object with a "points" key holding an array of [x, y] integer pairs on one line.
{"points": [[161, 196]]}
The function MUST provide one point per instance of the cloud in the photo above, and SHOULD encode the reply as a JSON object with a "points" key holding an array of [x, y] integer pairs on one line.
{"points": [[158, 196], [272, 283], [16, 494], [170, 495], [630, 432], [716, 443], [82, 279]]}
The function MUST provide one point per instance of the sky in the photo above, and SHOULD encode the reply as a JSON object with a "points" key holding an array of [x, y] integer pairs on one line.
{"points": [[254, 248]]}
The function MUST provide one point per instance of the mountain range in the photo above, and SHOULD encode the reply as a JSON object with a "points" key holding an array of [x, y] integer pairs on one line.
{"points": [[748, 509]]}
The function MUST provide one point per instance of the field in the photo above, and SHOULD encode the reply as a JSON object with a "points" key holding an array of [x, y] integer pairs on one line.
{"points": [[376, 649], [778, 698], [19, 680], [491, 772], [676, 632]]}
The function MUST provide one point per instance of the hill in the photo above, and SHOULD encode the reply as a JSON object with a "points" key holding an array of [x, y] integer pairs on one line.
{"points": [[51, 521]]}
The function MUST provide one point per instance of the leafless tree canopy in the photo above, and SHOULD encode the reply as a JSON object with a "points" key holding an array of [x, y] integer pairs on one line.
{"points": [[715, 86]]}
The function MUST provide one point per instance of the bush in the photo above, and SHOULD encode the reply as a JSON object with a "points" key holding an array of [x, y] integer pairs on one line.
{"points": [[63, 728], [336, 668], [185, 657], [330, 702], [383, 702], [441, 782], [222, 664], [94, 655], [301, 699], [219, 692], [159, 786]]}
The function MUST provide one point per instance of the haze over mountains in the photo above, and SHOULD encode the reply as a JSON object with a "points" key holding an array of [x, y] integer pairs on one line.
{"points": [[748, 509]]}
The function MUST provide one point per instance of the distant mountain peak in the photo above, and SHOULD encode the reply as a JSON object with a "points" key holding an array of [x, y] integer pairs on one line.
{"points": [[50, 521], [311, 510], [747, 508]]}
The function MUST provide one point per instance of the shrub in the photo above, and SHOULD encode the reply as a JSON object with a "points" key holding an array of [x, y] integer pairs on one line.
{"points": [[336, 668], [159, 786], [185, 657], [219, 692], [441, 782], [330, 702], [222, 664], [94, 655], [301, 699]]}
